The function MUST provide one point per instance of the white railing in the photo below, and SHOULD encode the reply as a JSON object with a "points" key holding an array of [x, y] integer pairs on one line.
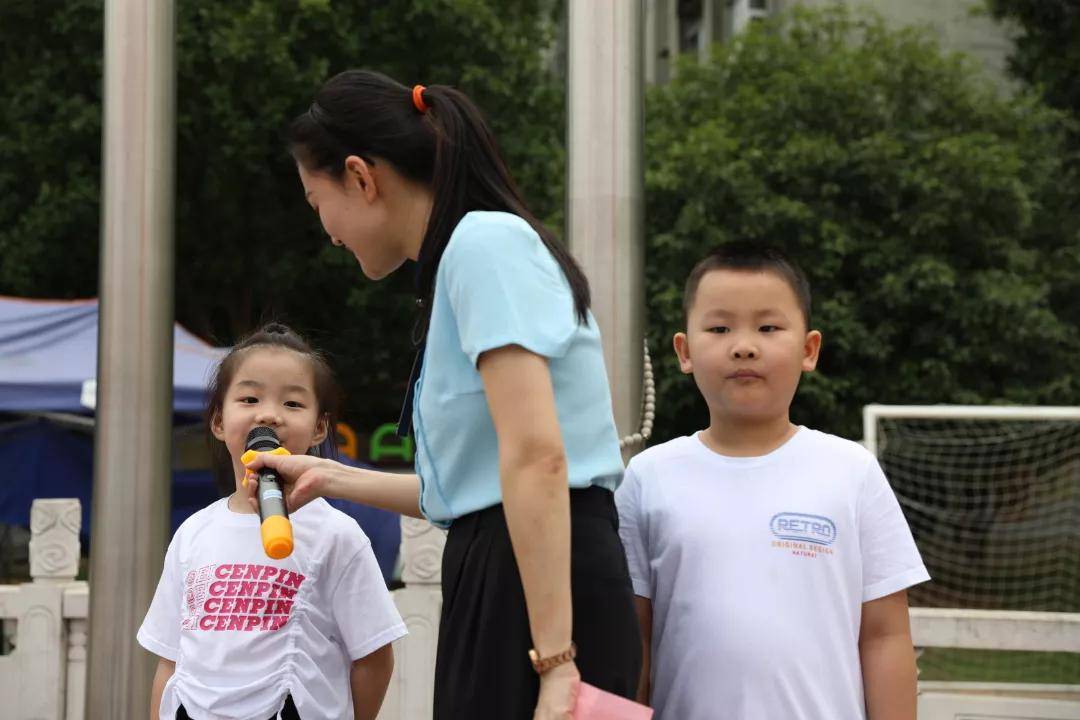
{"points": [[412, 687], [43, 674], [996, 630]]}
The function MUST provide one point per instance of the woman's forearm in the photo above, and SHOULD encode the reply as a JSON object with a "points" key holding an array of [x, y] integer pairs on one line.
{"points": [[536, 501], [396, 492]]}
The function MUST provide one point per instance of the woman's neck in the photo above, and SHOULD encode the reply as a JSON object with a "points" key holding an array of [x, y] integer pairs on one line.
{"points": [[412, 206]]}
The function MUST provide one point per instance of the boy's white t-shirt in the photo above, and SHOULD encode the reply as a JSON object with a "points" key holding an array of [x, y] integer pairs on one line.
{"points": [[757, 569], [245, 630]]}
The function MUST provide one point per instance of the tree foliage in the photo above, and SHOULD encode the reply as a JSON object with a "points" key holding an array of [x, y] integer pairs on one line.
{"points": [[931, 215], [248, 247], [1047, 47], [934, 217]]}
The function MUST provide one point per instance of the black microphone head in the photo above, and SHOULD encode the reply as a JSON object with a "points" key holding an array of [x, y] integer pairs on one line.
{"points": [[262, 438]]}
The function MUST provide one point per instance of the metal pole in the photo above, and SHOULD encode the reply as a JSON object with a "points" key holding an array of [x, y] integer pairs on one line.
{"points": [[974, 412], [132, 451], [661, 40], [605, 182], [711, 28]]}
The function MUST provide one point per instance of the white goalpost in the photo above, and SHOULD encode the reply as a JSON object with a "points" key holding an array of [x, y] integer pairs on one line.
{"points": [[992, 495]]}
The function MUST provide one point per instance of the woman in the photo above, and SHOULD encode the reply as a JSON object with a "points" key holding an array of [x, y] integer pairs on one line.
{"points": [[516, 448]]}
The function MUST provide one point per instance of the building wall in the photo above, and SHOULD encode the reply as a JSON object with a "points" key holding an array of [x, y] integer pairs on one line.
{"points": [[674, 26], [961, 25]]}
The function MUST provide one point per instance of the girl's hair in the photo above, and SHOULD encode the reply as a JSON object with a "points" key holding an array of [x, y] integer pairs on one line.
{"points": [[327, 393], [448, 146]]}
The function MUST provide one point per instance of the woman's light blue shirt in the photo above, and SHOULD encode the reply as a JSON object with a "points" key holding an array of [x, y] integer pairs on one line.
{"points": [[498, 285]]}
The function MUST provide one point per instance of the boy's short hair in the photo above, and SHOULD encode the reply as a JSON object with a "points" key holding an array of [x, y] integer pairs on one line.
{"points": [[750, 257]]}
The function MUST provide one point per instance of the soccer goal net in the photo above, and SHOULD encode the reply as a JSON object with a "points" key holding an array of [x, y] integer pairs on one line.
{"points": [[992, 495]]}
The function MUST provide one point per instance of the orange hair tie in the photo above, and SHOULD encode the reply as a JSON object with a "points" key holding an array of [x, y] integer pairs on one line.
{"points": [[418, 98]]}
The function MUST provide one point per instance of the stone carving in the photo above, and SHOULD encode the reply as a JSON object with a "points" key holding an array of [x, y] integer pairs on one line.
{"points": [[77, 634], [54, 540], [421, 550]]}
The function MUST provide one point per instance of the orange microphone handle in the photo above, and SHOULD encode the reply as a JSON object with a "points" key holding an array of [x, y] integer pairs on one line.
{"points": [[276, 530], [277, 537]]}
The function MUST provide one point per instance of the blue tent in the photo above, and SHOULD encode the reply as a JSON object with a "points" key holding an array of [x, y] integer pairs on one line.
{"points": [[48, 355], [48, 362]]}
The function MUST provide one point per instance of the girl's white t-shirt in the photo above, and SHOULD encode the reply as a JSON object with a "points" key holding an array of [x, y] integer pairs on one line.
{"points": [[245, 630], [758, 568]]}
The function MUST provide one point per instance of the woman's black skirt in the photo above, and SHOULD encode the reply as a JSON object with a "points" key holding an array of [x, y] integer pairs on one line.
{"points": [[482, 669]]}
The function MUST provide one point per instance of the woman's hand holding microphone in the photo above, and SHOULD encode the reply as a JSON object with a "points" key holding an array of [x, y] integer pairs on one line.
{"points": [[304, 477]]}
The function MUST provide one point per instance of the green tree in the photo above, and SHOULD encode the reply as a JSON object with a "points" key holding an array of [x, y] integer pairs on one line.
{"points": [[1047, 47], [932, 216], [247, 246]]}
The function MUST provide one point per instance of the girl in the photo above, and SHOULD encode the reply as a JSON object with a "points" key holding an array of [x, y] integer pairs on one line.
{"points": [[240, 635], [517, 452]]}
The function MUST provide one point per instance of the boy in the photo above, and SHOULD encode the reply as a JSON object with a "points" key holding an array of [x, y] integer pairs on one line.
{"points": [[770, 561]]}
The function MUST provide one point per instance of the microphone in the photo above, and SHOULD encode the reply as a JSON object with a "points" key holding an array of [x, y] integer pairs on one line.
{"points": [[277, 536]]}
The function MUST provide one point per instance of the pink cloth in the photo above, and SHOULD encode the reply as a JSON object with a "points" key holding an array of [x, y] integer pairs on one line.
{"points": [[596, 704]]}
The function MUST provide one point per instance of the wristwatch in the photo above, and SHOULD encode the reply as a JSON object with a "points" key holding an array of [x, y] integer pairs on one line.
{"points": [[542, 665]]}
